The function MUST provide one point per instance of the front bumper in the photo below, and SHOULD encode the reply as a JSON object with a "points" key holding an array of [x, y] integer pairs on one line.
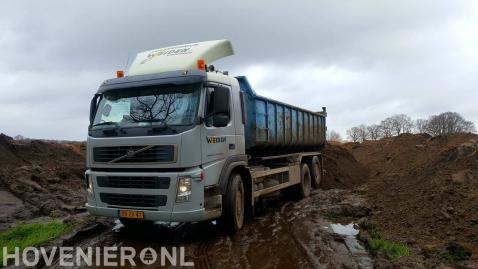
{"points": [[183, 216], [172, 211]]}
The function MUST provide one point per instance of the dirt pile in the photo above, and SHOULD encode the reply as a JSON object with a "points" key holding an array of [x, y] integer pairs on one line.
{"points": [[342, 169], [424, 192], [39, 178]]}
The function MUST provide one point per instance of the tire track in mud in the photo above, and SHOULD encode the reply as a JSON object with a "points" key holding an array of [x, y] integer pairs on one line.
{"points": [[88, 237], [312, 259], [201, 256]]}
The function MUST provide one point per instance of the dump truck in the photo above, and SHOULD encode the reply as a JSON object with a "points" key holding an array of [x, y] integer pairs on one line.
{"points": [[176, 140]]}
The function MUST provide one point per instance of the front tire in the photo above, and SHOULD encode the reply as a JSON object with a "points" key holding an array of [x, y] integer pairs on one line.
{"points": [[233, 217]]}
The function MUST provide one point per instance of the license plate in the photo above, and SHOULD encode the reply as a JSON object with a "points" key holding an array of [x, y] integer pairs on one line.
{"points": [[129, 214]]}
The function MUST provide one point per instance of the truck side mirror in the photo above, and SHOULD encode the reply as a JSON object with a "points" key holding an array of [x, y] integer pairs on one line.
{"points": [[221, 104], [220, 120], [93, 107], [221, 100]]}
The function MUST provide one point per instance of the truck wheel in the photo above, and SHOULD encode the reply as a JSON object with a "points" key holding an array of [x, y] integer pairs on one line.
{"points": [[315, 171], [301, 190], [305, 181], [233, 218]]}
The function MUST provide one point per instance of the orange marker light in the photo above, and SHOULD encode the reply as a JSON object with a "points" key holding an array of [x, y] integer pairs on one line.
{"points": [[119, 73], [201, 64]]}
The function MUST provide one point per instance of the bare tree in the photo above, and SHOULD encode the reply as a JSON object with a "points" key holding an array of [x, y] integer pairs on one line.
{"points": [[401, 124], [444, 123], [358, 133], [448, 123], [363, 132], [386, 127], [420, 126], [374, 131], [334, 136], [354, 134], [396, 125]]}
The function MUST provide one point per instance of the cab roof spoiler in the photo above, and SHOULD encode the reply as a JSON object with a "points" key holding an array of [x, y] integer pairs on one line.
{"points": [[172, 77]]}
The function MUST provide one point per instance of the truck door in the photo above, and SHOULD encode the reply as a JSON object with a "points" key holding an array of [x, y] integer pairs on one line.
{"points": [[218, 131]]}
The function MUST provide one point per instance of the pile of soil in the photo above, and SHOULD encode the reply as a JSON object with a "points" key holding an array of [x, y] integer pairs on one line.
{"points": [[342, 170], [424, 192], [39, 179]]}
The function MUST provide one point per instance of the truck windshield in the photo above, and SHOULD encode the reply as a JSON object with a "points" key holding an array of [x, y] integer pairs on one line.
{"points": [[138, 107]]}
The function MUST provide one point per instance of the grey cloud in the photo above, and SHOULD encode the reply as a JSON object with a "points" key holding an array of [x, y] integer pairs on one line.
{"points": [[82, 35], [394, 55]]}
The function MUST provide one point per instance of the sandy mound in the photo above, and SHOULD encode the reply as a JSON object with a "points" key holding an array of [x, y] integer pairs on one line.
{"points": [[342, 169], [424, 190], [39, 178]]}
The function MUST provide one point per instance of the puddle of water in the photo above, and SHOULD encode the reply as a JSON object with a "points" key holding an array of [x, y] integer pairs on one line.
{"points": [[167, 224], [346, 230], [117, 226], [350, 232]]}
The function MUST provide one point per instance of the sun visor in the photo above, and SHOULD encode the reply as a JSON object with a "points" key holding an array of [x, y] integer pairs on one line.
{"points": [[180, 57]]}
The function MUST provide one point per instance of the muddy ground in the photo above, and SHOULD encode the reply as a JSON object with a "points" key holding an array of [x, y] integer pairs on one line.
{"points": [[40, 179], [283, 234], [424, 192], [412, 189]]}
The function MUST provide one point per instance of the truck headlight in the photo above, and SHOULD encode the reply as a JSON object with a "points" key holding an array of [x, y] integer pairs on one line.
{"points": [[184, 189]]}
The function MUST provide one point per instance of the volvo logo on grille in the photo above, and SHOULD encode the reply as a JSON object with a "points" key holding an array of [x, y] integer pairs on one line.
{"points": [[130, 153]]}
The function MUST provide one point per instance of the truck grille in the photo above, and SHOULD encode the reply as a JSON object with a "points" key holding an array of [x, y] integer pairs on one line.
{"points": [[133, 182], [133, 200], [134, 154]]}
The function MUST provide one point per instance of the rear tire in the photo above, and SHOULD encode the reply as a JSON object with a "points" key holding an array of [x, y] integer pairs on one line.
{"points": [[305, 181], [315, 171], [233, 214], [302, 189]]}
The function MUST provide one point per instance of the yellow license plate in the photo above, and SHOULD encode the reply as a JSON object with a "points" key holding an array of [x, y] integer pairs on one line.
{"points": [[128, 214]]}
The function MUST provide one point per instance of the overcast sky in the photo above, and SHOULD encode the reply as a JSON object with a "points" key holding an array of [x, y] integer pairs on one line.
{"points": [[363, 60]]}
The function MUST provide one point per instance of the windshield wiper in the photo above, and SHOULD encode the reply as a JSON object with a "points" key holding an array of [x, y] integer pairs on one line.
{"points": [[109, 131], [163, 126], [151, 120], [106, 123]]}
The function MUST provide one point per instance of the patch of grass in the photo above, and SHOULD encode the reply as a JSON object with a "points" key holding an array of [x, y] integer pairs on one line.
{"points": [[391, 250], [26, 235], [376, 244]]}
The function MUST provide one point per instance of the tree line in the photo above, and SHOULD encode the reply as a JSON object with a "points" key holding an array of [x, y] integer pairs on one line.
{"points": [[441, 124]]}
